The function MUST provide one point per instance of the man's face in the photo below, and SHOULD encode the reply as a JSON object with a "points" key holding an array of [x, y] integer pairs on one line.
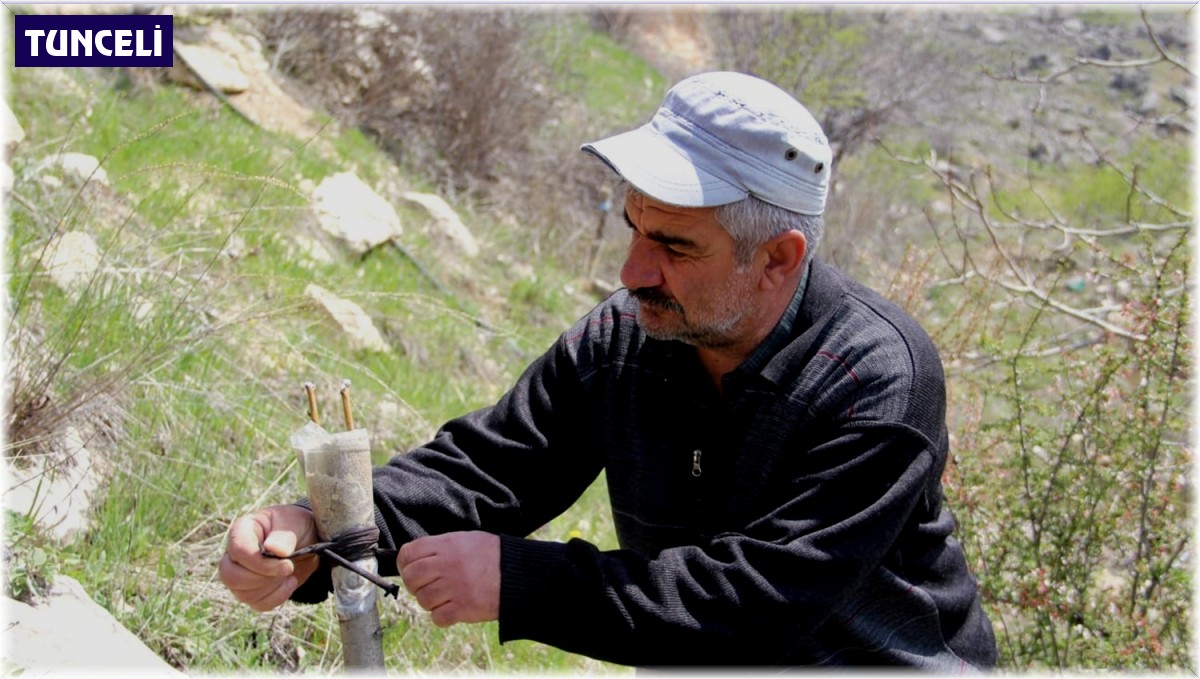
{"points": [[682, 271]]}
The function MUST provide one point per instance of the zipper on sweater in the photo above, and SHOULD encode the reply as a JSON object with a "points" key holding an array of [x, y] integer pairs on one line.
{"points": [[696, 471]]}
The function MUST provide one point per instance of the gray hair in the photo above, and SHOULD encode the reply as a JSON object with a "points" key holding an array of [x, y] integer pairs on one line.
{"points": [[752, 222]]}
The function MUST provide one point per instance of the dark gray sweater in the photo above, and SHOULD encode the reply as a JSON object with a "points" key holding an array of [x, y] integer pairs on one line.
{"points": [[793, 518]]}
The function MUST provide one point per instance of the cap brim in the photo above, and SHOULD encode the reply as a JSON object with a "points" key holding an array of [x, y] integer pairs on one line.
{"points": [[662, 170]]}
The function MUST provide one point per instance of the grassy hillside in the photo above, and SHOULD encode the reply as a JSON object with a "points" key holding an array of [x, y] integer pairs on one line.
{"points": [[192, 341], [1017, 178]]}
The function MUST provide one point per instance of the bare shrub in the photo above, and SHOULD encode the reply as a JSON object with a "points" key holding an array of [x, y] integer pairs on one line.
{"points": [[840, 64], [453, 93], [463, 99], [1063, 319], [862, 75]]}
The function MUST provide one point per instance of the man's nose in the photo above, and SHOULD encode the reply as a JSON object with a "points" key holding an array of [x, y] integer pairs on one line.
{"points": [[641, 269]]}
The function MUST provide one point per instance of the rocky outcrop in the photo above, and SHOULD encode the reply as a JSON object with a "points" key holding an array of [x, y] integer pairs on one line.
{"points": [[76, 167], [56, 488], [199, 64], [447, 222], [358, 327], [235, 66], [71, 260], [350, 211]]}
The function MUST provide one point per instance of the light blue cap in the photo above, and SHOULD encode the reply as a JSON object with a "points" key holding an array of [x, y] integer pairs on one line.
{"points": [[719, 137]]}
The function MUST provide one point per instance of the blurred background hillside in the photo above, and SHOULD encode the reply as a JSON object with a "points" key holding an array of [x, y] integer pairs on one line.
{"points": [[395, 196]]}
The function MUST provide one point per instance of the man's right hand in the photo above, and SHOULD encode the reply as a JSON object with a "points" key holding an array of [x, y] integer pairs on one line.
{"points": [[262, 583]]}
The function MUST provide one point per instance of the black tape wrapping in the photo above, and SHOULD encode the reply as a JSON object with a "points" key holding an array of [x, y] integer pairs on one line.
{"points": [[347, 548]]}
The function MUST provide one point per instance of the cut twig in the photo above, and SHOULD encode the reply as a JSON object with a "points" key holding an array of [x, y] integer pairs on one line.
{"points": [[311, 390], [346, 405], [337, 471]]}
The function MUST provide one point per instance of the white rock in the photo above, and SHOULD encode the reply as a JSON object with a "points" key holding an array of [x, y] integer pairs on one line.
{"points": [[390, 420], [350, 318], [55, 489], [217, 68], [245, 50], [71, 260], [235, 247], [387, 412], [13, 133], [1110, 580], [143, 312], [370, 20], [79, 167], [68, 634], [993, 36], [312, 249], [940, 207], [352, 212], [447, 221]]}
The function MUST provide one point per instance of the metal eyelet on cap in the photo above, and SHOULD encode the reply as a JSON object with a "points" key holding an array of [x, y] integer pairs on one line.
{"points": [[790, 154], [818, 168]]}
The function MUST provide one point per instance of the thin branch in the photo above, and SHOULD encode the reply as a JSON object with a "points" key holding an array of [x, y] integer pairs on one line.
{"points": [[29, 207], [1162, 51], [1149, 481], [1083, 343], [1013, 76], [1129, 63], [1131, 180], [1134, 227], [959, 280]]}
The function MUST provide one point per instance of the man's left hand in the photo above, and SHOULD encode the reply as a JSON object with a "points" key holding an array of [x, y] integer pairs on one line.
{"points": [[455, 576]]}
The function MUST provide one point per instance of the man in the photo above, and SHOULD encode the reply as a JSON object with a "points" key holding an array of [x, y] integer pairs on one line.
{"points": [[772, 433]]}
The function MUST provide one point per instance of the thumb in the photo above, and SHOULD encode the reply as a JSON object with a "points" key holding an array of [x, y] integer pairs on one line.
{"points": [[280, 543], [289, 528]]}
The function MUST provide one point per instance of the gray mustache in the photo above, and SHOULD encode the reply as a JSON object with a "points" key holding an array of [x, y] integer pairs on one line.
{"points": [[657, 298]]}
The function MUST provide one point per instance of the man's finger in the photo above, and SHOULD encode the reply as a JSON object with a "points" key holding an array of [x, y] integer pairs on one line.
{"points": [[246, 536], [273, 598], [416, 549], [420, 574], [444, 615], [431, 595]]}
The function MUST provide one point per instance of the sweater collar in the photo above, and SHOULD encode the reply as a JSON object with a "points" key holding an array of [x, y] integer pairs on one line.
{"points": [[817, 298], [777, 339]]}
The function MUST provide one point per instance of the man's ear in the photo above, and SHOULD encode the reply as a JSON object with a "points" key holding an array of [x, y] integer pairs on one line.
{"points": [[784, 254]]}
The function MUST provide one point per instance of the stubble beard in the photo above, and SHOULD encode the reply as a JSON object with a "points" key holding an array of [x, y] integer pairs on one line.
{"points": [[712, 328]]}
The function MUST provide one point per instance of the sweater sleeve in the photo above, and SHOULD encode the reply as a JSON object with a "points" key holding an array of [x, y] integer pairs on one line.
{"points": [[507, 469]]}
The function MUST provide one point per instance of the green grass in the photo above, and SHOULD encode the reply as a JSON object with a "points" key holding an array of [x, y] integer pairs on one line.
{"points": [[605, 76], [1116, 16], [1088, 195], [195, 355], [207, 376]]}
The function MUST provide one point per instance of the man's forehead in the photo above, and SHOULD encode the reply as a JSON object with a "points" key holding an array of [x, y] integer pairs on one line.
{"points": [[695, 228]]}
